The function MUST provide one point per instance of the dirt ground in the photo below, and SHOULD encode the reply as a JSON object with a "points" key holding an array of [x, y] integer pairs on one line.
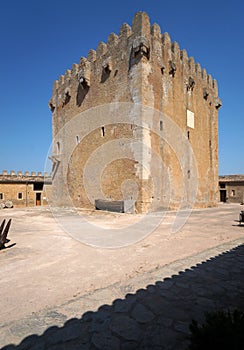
{"points": [[45, 266]]}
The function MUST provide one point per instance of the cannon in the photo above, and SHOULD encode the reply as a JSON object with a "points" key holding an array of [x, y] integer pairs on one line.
{"points": [[4, 229]]}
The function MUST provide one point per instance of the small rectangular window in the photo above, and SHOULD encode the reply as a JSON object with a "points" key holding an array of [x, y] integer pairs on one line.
{"points": [[103, 131], [161, 125], [20, 195], [58, 147], [1, 196]]}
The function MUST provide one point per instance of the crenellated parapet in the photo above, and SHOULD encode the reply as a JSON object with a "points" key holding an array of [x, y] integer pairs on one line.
{"points": [[141, 41], [27, 176]]}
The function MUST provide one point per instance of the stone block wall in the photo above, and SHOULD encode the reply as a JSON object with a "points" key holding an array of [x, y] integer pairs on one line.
{"points": [[142, 89], [231, 188], [24, 190]]}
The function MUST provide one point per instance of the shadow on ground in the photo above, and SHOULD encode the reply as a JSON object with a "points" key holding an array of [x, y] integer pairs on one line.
{"points": [[156, 317]]}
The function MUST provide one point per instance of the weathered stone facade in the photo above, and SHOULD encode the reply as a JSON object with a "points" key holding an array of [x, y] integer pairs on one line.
{"points": [[148, 113], [24, 190], [231, 188]]}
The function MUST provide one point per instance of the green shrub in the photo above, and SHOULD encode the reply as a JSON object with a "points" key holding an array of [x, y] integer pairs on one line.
{"points": [[220, 330]]}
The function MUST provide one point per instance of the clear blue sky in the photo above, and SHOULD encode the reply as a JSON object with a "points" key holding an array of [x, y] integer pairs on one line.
{"points": [[40, 40]]}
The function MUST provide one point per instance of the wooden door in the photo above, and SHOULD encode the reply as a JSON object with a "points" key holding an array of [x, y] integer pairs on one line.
{"points": [[223, 196]]}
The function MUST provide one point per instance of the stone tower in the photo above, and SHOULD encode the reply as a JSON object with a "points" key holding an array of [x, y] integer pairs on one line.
{"points": [[136, 120]]}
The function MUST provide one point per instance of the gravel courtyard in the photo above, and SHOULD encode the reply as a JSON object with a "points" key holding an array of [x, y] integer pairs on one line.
{"points": [[47, 269]]}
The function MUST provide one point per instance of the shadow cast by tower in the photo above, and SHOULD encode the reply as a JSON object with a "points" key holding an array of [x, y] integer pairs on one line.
{"points": [[155, 317]]}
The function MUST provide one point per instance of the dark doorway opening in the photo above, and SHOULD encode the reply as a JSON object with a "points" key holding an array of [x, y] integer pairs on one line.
{"points": [[38, 198], [223, 196]]}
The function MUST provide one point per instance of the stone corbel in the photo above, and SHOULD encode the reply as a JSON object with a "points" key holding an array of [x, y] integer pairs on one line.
{"points": [[162, 65], [84, 77], [106, 69], [217, 103], [191, 84], [141, 47], [51, 105], [66, 97], [84, 73], [205, 94], [172, 68], [107, 65]]}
